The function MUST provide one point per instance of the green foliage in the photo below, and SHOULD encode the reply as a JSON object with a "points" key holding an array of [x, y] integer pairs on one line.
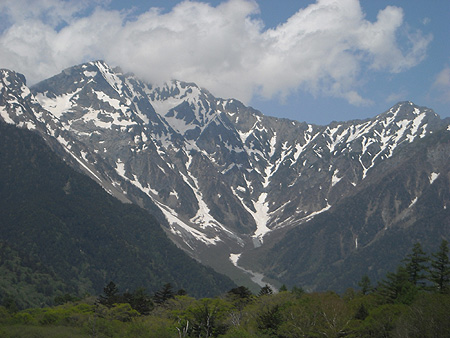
{"points": [[62, 299], [397, 288], [239, 297], [361, 313], [283, 315], [265, 290], [240, 292], [440, 269], [24, 318], [122, 312], [270, 320], [163, 295], [26, 331], [151, 327], [139, 301], [426, 318], [416, 265], [365, 285], [297, 291], [283, 288], [239, 333], [381, 321], [111, 295], [207, 317]]}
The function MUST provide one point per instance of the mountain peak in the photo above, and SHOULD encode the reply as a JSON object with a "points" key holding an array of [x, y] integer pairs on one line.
{"points": [[12, 78], [408, 110]]}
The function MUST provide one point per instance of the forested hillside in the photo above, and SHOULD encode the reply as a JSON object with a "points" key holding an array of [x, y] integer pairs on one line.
{"points": [[413, 301], [60, 233]]}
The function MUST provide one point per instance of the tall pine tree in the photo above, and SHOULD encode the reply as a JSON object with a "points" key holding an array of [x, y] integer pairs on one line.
{"points": [[440, 269], [397, 288], [164, 294], [111, 295], [416, 265]]}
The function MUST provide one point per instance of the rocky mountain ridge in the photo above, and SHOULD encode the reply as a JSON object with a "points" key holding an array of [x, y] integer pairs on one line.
{"points": [[220, 176]]}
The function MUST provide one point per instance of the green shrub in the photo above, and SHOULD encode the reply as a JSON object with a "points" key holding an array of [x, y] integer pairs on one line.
{"points": [[23, 318]]}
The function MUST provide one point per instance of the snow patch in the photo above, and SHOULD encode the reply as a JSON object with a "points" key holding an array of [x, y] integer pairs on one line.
{"points": [[260, 215], [58, 105], [89, 74], [315, 213], [111, 101], [256, 277], [4, 114], [25, 91], [120, 168], [433, 177], [234, 258], [175, 221], [335, 179], [413, 202], [415, 125], [113, 80]]}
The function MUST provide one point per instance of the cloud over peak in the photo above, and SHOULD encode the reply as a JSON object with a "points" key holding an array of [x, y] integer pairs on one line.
{"points": [[322, 48]]}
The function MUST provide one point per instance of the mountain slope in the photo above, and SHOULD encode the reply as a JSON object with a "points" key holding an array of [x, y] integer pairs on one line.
{"points": [[221, 178], [68, 228], [403, 202]]}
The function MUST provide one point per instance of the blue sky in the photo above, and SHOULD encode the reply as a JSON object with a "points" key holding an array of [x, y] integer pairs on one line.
{"points": [[314, 61]]}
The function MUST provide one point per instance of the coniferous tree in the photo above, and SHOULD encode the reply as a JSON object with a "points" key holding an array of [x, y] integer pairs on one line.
{"points": [[365, 285], [298, 291], [440, 269], [182, 292], [269, 321], [265, 290], [416, 265], [111, 295], [240, 296], [240, 292], [139, 301], [283, 288], [397, 288], [164, 294], [361, 313]]}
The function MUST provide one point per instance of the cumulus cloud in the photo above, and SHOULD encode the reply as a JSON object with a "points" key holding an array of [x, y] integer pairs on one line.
{"points": [[323, 49]]}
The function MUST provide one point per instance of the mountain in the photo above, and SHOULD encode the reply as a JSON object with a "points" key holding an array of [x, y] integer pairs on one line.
{"points": [[62, 233], [405, 200], [226, 182]]}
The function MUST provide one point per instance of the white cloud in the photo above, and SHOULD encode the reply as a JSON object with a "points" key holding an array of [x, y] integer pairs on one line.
{"points": [[321, 49], [442, 84], [443, 78], [397, 96]]}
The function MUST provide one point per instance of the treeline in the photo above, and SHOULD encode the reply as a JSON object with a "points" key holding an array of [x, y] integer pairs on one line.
{"points": [[413, 301]]}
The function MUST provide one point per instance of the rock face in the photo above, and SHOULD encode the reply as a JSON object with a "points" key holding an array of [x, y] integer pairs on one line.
{"points": [[221, 177]]}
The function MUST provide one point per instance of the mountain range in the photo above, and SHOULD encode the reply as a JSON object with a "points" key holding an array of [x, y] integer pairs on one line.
{"points": [[250, 195]]}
